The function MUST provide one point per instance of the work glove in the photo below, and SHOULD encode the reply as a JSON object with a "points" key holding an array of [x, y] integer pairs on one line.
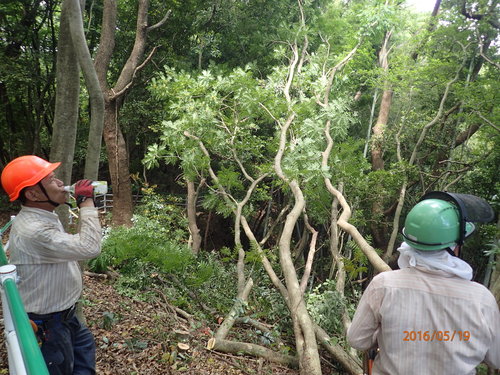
{"points": [[83, 190]]}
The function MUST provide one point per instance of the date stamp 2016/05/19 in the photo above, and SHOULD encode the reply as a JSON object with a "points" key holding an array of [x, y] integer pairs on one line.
{"points": [[435, 335]]}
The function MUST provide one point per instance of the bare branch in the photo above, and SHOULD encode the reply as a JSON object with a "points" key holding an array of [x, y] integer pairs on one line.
{"points": [[336, 68], [270, 231], [160, 23], [269, 112], [310, 256], [438, 114], [291, 73], [481, 52], [487, 121], [343, 221], [116, 95]]}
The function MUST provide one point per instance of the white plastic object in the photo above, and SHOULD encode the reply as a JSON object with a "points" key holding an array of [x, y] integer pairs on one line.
{"points": [[100, 187]]}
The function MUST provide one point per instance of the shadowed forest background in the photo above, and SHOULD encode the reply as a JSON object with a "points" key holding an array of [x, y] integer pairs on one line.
{"points": [[262, 156]]}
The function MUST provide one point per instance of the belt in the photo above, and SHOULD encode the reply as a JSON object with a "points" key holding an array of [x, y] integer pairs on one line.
{"points": [[56, 316]]}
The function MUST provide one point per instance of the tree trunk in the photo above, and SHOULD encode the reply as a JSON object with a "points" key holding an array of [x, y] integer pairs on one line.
{"points": [[191, 214], [66, 106], [118, 167], [378, 229], [338, 353], [305, 337], [115, 142], [93, 88], [384, 110]]}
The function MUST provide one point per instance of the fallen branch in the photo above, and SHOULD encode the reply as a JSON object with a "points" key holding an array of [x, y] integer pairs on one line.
{"points": [[254, 323], [227, 346], [193, 296], [350, 364], [257, 325], [95, 275], [109, 274], [233, 314], [176, 310]]}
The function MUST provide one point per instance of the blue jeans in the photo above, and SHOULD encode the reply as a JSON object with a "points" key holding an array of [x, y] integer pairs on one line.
{"points": [[68, 346]]}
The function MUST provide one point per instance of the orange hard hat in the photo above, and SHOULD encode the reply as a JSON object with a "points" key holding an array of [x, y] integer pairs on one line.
{"points": [[25, 171]]}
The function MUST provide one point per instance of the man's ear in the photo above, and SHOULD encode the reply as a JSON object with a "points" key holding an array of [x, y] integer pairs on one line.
{"points": [[32, 195]]}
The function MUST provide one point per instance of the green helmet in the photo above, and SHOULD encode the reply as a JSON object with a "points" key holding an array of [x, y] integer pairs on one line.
{"points": [[434, 224]]}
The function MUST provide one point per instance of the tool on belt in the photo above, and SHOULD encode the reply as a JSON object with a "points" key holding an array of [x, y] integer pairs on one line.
{"points": [[41, 323], [369, 359]]}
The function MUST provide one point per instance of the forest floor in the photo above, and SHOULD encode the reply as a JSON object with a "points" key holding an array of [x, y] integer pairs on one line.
{"points": [[139, 338], [134, 337]]}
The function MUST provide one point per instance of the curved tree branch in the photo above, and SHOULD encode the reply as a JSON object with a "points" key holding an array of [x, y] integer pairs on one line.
{"points": [[161, 22]]}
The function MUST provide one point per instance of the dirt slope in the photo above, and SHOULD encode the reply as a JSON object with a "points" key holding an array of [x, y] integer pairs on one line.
{"points": [[138, 338]]}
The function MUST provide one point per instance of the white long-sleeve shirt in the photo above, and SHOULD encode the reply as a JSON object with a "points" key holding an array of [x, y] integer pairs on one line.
{"points": [[47, 257], [427, 322]]}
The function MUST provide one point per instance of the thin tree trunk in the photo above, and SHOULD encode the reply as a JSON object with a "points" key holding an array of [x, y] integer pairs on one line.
{"points": [[338, 353], [191, 214], [305, 337]]}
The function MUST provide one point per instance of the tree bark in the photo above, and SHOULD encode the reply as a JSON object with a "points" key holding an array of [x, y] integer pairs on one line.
{"points": [[66, 106], [115, 142], [350, 363], [378, 228], [305, 338], [93, 88], [191, 214], [227, 346]]}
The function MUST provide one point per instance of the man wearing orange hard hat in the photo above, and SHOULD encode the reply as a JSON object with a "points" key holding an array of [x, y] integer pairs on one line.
{"points": [[46, 257]]}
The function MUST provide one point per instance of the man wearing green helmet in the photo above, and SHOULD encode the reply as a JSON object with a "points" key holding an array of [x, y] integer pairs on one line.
{"points": [[428, 317]]}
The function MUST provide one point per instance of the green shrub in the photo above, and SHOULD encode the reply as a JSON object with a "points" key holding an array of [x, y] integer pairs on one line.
{"points": [[326, 306], [159, 235]]}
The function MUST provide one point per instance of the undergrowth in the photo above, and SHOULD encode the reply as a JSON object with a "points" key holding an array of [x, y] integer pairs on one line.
{"points": [[153, 256]]}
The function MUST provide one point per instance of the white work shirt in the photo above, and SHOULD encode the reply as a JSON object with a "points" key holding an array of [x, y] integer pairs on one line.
{"points": [[47, 257], [427, 322]]}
